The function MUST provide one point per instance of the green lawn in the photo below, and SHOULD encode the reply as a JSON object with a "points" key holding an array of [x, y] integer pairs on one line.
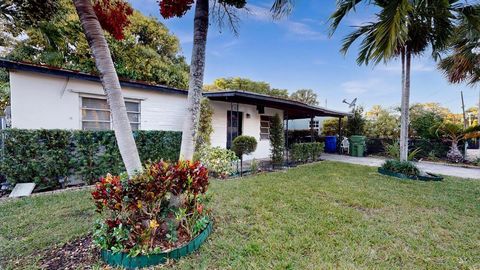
{"points": [[326, 215]]}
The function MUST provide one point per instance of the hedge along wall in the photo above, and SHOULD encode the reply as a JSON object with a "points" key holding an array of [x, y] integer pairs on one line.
{"points": [[48, 157]]}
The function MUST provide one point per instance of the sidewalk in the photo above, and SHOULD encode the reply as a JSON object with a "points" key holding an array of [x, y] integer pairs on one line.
{"points": [[429, 167]]}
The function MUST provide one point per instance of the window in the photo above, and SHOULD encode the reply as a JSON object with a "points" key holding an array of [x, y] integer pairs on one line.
{"points": [[314, 124], [265, 123], [96, 114]]}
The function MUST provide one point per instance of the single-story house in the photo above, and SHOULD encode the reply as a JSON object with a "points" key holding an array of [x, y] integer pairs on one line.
{"points": [[44, 97]]}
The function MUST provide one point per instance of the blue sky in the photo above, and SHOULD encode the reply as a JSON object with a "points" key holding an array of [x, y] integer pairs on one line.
{"points": [[297, 52]]}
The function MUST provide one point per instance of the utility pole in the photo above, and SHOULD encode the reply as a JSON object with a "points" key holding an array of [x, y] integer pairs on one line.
{"points": [[463, 109]]}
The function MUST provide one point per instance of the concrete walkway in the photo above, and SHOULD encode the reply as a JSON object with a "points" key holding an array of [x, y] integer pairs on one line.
{"points": [[426, 166]]}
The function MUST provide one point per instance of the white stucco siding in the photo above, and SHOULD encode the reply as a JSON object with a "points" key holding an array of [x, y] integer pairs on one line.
{"points": [[51, 102], [251, 126]]}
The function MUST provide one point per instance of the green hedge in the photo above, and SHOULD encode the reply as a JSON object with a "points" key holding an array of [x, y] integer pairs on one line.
{"points": [[47, 157], [302, 152]]}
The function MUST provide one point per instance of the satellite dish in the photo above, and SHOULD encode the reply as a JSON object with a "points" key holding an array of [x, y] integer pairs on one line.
{"points": [[352, 104]]}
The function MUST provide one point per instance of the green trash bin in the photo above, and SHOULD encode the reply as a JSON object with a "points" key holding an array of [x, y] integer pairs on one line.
{"points": [[357, 146]]}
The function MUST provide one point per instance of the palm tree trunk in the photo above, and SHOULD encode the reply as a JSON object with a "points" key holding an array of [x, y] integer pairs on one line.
{"points": [[406, 57], [197, 68], [111, 85]]}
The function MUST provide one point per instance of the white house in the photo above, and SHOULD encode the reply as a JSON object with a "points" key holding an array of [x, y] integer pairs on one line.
{"points": [[43, 97]]}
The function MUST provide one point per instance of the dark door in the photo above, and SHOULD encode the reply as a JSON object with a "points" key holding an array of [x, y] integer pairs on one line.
{"points": [[234, 126]]}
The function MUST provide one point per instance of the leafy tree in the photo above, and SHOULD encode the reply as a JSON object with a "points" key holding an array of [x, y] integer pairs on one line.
{"points": [[356, 122], [147, 52], [306, 96], [277, 140], [175, 8], [381, 123], [452, 133], [403, 29], [237, 83], [330, 126]]}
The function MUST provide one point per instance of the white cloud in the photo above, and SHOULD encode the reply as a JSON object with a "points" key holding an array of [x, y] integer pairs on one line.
{"points": [[397, 68], [294, 29], [372, 86]]}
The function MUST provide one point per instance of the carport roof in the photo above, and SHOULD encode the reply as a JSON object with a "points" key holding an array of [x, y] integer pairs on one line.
{"points": [[294, 109]]}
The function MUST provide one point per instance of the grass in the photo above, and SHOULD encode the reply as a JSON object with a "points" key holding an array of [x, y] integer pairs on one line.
{"points": [[326, 215]]}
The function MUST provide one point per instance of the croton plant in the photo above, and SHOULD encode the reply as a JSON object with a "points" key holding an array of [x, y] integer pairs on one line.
{"points": [[158, 209]]}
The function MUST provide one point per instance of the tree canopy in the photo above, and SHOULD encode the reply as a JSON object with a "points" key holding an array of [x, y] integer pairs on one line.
{"points": [[147, 52], [306, 96], [237, 83]]}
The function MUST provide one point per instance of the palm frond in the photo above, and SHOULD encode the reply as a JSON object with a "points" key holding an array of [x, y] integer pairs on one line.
{"points": [[281, 8], [343, 8]]}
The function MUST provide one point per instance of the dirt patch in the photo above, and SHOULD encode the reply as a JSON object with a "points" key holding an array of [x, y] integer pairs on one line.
{"points": [[77, 254]]}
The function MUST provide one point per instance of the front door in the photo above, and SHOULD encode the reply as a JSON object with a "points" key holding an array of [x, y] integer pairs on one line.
{"points": [[234, 126]]}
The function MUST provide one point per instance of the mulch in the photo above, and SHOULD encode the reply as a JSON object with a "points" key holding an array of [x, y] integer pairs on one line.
{"points": [[77, 254]]}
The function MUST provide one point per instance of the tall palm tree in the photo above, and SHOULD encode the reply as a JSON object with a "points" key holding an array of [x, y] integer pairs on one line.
{"points": [[402, 28], [223, 10], [111, 85], [197, 70]]}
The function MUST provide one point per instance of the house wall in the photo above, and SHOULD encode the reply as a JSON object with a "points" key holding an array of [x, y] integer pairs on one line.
{"points": [[53, 102], [251, 126]]}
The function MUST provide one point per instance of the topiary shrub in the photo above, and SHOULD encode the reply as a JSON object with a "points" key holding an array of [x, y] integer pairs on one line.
{"points": [[403, 167], [219, 161], [139, 218], [243, 145], [277, 140], [205, 127]]}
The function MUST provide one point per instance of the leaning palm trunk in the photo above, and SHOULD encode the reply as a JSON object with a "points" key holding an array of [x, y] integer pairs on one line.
{"points": [[406, 57], [197, 68], [111, 85]]}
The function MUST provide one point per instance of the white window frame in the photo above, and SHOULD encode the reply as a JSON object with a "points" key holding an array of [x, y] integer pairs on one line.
{"points": [[139, 113], [262, 127]]}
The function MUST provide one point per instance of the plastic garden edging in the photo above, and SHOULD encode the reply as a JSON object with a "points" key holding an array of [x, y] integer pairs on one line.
{"points": [[430, 177], [123, 260]]}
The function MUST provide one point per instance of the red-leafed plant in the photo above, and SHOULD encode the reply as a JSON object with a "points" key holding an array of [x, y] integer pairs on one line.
{"points": [[158, 209], [113, 16]]}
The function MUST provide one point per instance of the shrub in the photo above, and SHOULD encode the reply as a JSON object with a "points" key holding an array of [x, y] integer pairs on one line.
{"points": [[302, 152], [48, 157], [243, 145], [392, 150], [218, 160], [140, 216], [356, 123], [277, 140], [404, 167], [205, 127]]}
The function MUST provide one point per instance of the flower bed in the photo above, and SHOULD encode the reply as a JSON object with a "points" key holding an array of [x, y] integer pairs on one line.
{"points": [[152, 216], [406, 170]]}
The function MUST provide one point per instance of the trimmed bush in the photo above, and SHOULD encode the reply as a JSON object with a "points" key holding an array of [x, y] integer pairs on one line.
{"points": [[243, 145], [302, 152], [403, 167], [49, 157], [277, 140]]}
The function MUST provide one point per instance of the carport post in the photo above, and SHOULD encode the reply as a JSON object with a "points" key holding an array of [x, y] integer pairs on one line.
{"points": [[286, 134], [311, 129], [339, 134]]}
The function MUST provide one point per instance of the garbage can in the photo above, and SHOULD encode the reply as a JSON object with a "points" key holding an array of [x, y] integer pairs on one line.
{"points": [[357, 146], [330, 144]]}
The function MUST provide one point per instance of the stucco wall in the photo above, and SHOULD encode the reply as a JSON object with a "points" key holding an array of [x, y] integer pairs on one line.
{"points": [[43, 101], [251, 126], [53, 102]]}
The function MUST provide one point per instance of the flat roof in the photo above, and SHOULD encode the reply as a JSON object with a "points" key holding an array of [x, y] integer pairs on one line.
{"points": [[293, 109]]}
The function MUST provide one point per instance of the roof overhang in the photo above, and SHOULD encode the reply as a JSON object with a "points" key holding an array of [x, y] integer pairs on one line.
{"points": [[294, 109]]}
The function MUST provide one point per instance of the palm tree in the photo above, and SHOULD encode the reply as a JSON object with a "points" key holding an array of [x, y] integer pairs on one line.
{"points": [[111, 85], [224, 10], [402, 28], [197, 70]]}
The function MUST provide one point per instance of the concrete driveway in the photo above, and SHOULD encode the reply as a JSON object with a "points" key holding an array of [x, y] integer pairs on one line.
{"points": [[449, 170]]}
